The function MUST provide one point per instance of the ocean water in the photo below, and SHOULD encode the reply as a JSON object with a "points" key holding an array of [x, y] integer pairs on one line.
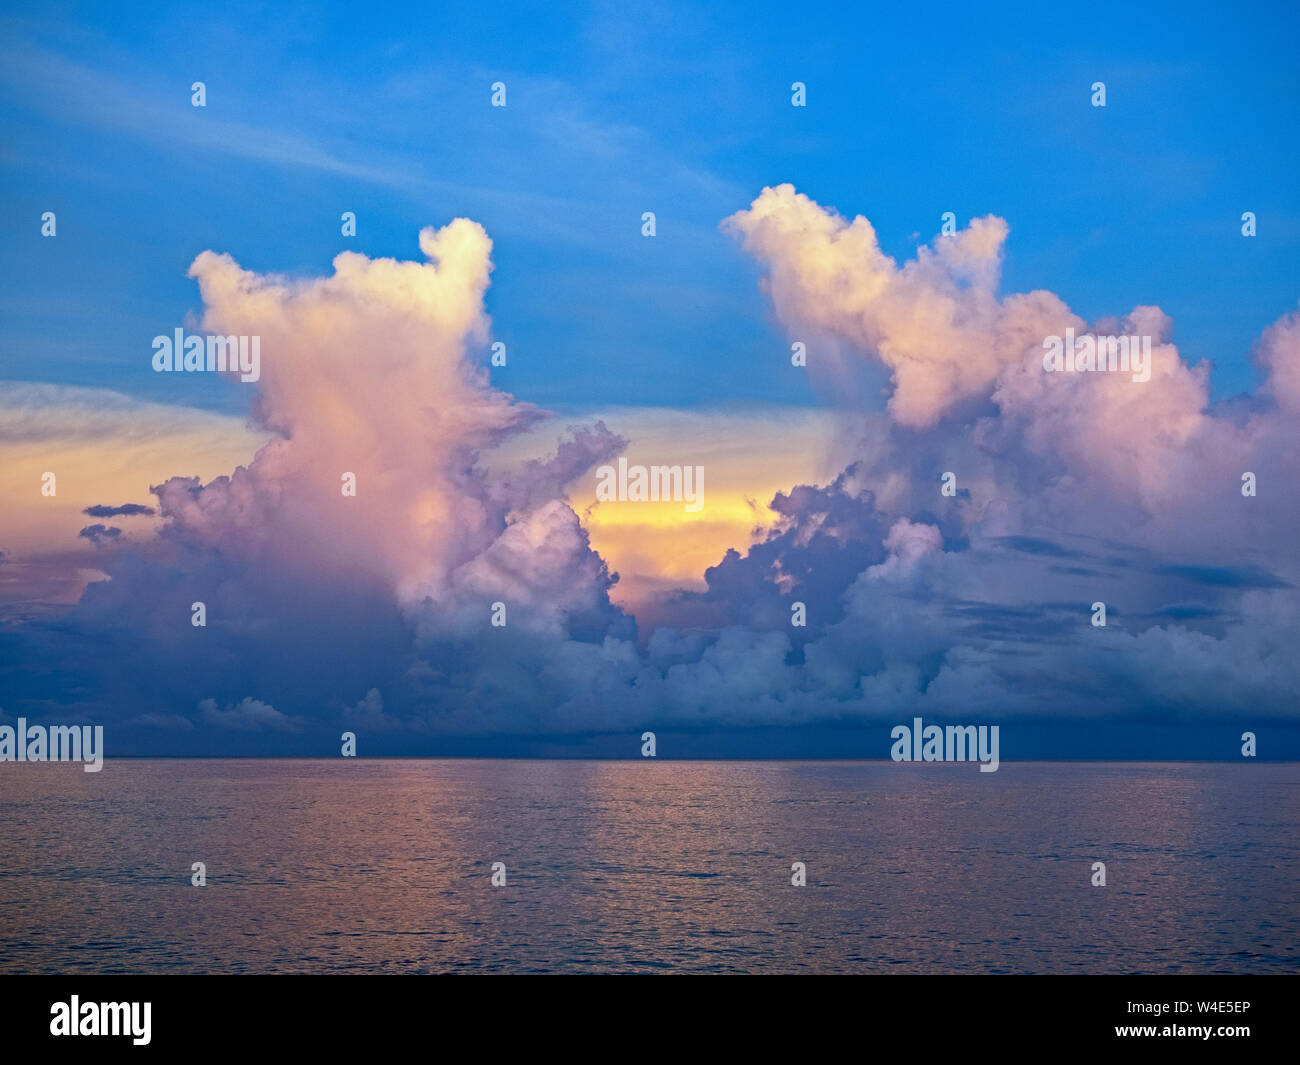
{"points": [[384, 866]]}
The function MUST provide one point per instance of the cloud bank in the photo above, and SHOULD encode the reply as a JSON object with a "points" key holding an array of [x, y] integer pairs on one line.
{"points": [[375, 610]]}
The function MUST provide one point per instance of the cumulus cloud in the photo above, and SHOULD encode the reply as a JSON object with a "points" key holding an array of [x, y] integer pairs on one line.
{"points": [[375, 611], [248, 715], [363, 372], [368, 714], [1278, 355], [936, 322], [1146, 475], [315, 596], [1083, 451]]}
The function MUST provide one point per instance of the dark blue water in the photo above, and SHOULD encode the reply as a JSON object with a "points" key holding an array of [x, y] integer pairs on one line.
{"points": [[384, 866]]}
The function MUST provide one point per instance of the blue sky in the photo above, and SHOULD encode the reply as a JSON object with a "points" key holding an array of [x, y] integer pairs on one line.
{"points": [[371, 611], [617, 109]]}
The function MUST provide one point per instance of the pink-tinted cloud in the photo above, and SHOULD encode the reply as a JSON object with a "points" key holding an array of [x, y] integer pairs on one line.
{"points": [[366, 373], [936, 322], [374, 611]]}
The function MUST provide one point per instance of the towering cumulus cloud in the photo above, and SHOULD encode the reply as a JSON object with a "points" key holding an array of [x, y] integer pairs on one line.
{"points": [[1084, 450], [1071, 488], [365, 377], [936, 322], [364, 533]]}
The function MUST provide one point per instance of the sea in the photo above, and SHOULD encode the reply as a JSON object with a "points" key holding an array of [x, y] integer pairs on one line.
{"points": [[533, 866]]}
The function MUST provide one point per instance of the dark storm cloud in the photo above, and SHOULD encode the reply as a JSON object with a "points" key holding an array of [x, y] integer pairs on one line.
{"points": [[126, 510], [98, 533], [1225, 576]]}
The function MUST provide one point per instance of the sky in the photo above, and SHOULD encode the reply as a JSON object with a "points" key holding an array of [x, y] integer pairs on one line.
{"points": [[523, 225]]}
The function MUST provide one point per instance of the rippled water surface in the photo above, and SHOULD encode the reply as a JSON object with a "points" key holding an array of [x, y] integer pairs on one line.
{"points": [[384, 866]]}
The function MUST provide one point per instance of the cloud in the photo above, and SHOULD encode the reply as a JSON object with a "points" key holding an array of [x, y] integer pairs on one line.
{"points": [[99, 534], [368, 714], [248, 715], [1084, 452], [1225, 576], [363, 373], [379, 611], [96, 441], [936, 322], [1127, 475], [1278, 355], [312, 593], [126, 510]]}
